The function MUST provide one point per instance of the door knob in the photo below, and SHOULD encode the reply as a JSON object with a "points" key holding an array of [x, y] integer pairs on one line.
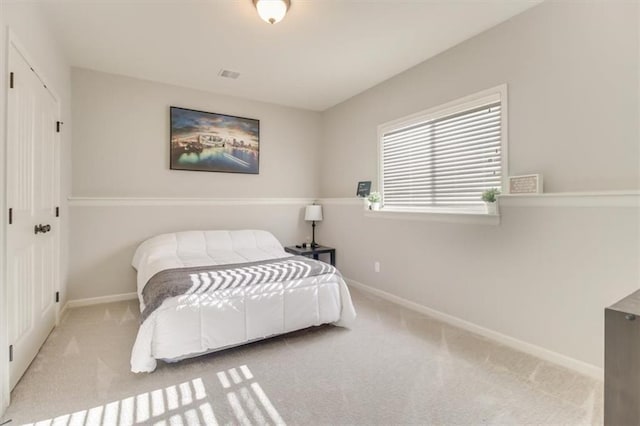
{"points": [[40, 228]]}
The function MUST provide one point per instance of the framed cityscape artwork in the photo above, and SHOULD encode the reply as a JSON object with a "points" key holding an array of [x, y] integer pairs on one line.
{"points": [[210, 142]]}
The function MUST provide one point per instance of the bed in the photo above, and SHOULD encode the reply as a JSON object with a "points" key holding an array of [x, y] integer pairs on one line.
{"points": [[203, 291]]}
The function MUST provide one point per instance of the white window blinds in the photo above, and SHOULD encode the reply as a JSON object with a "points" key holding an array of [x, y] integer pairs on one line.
{"points": [[445, 161]]}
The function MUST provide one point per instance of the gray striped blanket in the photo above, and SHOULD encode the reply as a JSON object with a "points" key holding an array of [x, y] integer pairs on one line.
{"points": [[208, 279]]}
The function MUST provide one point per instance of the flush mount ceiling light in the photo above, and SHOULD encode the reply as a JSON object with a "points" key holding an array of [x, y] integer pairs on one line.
{"points": [[272, 11]]}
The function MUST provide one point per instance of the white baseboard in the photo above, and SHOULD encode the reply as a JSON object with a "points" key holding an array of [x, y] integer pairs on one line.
{"points": [[537, 351], [98, 300]]}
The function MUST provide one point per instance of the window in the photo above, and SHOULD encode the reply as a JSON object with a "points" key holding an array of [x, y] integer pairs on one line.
{"points": [[444, 158]]}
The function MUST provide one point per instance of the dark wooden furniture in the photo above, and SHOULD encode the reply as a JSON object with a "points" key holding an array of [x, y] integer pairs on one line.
{"points": [[622, 362], [313, 252]]}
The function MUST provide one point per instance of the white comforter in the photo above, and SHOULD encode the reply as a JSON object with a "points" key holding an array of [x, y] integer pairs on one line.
{"points": [[190, 325]]}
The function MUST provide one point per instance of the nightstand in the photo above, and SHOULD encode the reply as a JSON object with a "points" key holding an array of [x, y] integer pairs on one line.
{"points": [[313, 252]]}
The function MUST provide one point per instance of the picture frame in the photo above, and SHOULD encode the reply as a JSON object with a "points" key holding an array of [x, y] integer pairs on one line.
{"points": [[364, 189], [526, 184], [212, 142]]}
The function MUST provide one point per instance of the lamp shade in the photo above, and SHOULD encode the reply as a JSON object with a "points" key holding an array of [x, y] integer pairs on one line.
{"points": [[313, 212], [272, 11]]}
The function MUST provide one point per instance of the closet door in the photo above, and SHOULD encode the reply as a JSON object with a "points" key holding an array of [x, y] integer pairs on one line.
{"points": [[32, 234]]}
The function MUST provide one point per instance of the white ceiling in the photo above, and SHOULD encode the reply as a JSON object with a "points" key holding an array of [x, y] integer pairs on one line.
{"points": [[322, 53]]}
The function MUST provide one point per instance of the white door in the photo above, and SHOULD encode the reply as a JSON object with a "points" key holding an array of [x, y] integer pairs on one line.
{"points": [[32, 193]]}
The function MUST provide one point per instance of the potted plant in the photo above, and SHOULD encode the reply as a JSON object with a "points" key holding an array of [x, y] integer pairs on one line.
{"points": [[374, 200], [489, 198]]}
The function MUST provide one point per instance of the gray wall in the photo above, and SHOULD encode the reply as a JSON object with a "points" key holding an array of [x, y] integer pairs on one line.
{"points": [[545, 274], [104, 237], [572, 75], [121, 149], [121, 142]]}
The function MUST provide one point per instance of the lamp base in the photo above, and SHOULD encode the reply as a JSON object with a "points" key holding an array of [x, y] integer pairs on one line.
{"points": [[313, 232]]}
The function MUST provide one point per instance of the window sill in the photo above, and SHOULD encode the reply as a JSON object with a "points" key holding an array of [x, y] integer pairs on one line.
{"points": [[471, 216]]}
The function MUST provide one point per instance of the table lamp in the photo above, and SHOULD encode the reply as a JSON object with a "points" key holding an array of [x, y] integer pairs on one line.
{"points": [[313, 214]]}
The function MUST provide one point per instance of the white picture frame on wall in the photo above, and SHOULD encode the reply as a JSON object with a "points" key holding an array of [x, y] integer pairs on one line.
{"points": [[526, 184]]}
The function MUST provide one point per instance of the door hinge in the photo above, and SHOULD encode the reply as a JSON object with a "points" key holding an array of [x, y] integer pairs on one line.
{"points": [[58, 124], [57, 211], [11, 80], [10, 216], [10, 353], [57, 297]]}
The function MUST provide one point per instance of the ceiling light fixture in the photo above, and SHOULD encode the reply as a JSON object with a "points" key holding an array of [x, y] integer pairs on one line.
{"points": [[272, 11]]}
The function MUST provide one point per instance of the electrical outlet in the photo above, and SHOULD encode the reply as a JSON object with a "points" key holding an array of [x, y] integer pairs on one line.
{"points": [[376, 266]]}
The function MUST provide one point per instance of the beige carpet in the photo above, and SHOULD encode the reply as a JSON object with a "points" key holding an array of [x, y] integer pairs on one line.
{"points": [[394, 367]]}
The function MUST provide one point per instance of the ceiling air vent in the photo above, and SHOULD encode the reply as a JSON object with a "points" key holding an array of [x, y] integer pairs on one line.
{"points": [[229, 74]]}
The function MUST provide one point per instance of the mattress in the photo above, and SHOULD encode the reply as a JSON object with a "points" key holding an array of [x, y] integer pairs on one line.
{"points": [[193, 324]]}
